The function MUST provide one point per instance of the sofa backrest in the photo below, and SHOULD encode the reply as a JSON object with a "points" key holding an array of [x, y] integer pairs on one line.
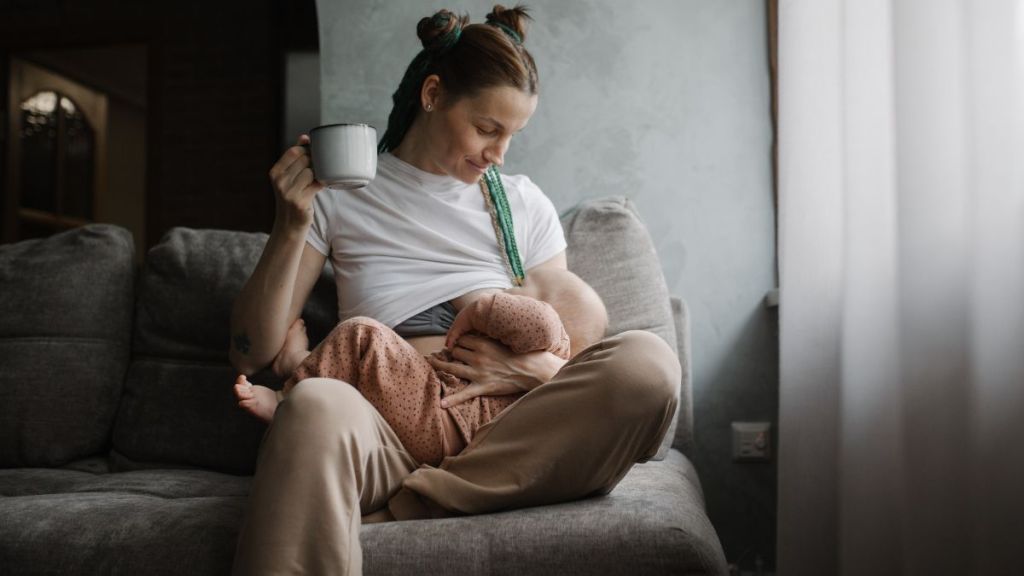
{"points": [[65, 328], [178, 406]]}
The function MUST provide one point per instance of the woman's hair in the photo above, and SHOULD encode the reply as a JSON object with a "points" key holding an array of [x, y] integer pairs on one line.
{"points": [[467, 58]]}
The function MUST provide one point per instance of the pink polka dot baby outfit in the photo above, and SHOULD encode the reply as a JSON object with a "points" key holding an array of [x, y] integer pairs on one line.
{"points": [[405, 388]]}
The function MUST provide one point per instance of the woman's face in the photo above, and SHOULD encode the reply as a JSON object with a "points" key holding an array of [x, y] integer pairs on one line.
{"points": [[468, 135]]}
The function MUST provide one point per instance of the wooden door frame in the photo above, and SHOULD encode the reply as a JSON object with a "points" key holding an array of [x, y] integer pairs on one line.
{"points": [[29, 38], [93, 106]]}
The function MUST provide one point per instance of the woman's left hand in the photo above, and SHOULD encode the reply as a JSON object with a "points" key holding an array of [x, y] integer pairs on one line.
{"points": [[493, 369]]}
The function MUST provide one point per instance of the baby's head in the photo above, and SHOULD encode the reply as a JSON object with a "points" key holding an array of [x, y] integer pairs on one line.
{"points": [[580, 308]]}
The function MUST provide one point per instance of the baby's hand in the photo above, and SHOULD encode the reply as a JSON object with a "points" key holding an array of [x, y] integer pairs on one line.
{"points": [[462, 324]]}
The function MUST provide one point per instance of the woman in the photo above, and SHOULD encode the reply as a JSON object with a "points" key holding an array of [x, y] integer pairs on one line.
{"points": [[420, 237]]}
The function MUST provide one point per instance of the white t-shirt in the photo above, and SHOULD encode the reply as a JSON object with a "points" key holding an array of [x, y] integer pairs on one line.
{"points": [[411, 239]]}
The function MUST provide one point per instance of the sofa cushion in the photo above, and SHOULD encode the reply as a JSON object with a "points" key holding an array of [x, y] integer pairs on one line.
{"points": [[610, 248], [652, 523], [64, 343], [145, 522], [186, 521], [178, 406], [188, 284]]}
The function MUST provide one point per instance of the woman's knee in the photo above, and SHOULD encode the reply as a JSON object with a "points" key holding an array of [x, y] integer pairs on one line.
{"points": [[323, 401], [326, 420], [640, 375]]}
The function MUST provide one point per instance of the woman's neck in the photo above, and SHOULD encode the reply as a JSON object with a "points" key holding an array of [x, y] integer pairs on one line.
{"points": [[414, 150]]}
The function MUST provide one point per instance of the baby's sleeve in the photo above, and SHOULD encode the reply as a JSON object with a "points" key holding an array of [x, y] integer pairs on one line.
{"points": [[522, 323]]}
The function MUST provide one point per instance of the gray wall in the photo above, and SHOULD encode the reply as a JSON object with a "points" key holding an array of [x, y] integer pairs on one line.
{"points": [[666, 102]]}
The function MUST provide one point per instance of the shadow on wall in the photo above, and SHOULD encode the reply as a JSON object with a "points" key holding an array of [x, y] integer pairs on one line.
{"points": [[740, 495]]}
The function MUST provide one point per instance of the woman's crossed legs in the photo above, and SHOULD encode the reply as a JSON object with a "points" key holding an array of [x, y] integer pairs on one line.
{"points": [[330, 457], [572, 437]]}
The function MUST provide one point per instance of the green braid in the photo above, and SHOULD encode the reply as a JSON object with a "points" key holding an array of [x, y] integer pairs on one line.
{"points": [[512, 34], [406, 97]]}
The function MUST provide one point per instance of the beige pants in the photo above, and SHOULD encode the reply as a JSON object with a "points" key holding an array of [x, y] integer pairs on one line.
{"points": [[329, 457]]}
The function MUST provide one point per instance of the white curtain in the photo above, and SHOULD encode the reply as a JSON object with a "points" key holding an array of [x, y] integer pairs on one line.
{"points": [[901, 190]]}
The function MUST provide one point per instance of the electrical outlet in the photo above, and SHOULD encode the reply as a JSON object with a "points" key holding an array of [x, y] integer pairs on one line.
{"points": [[751, 440]]}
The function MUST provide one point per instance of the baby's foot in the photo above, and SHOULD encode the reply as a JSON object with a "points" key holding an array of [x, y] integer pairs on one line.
{"points": [[259, 401], [294, 351]]}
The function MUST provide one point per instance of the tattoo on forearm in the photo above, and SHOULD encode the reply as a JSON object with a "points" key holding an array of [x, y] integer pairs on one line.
{"points": [[242, 343]]}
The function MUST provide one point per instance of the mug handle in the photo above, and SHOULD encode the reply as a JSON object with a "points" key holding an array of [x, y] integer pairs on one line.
{"points": [[309, 151]]}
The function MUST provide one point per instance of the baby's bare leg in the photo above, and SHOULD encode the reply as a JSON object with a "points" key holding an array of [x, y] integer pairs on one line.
{"points": [[259, 401]]}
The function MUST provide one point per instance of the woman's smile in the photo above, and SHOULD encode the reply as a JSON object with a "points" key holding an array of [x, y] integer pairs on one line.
{"points": [[477, 167]]}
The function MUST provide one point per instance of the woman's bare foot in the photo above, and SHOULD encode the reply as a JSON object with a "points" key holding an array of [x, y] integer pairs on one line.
{"points": [[294, 351], [259, 401]]}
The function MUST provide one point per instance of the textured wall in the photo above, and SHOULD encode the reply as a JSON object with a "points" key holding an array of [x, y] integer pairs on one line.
{"points": [[666, 102]]}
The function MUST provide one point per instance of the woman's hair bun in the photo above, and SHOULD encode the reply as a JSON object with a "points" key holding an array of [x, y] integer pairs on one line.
{"points": [[440, 30], [513, 19]]}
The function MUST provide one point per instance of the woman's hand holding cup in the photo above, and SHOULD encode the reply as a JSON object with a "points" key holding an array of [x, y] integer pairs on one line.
{"points": [[344, 155], [294, 185], [336, 156]]}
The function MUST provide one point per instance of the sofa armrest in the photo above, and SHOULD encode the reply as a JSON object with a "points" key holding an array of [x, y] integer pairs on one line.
{"points": [[684, 414], [610, 247]]}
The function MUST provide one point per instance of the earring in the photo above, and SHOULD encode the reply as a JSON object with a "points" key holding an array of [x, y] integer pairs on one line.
{"points": [[429, 107]]}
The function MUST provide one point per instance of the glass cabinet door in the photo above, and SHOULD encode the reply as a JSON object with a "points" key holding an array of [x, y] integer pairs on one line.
{"points": [[54, 154]]}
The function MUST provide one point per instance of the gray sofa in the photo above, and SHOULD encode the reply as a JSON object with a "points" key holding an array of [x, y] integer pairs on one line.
{"points": [[122, 450]]}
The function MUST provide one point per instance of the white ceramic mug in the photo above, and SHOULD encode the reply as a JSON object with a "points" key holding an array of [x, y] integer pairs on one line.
{"points": [[344, 155]]}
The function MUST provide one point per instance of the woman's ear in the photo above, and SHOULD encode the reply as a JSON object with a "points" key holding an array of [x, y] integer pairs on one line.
{"points": [[430, 93]]}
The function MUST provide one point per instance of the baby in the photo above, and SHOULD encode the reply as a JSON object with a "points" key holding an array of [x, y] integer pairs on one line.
{"points": [[553, 311]]}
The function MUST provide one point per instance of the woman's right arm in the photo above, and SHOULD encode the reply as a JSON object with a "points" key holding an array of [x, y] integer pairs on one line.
{"points": [[274, 295]]}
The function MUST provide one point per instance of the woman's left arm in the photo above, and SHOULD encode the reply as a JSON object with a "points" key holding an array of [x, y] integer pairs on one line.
{"points": [[492, 368]]}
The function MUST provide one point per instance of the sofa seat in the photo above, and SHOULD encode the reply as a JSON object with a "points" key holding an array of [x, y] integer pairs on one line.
{"points": [[68, 521], [156, 521], [652, 523]]}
